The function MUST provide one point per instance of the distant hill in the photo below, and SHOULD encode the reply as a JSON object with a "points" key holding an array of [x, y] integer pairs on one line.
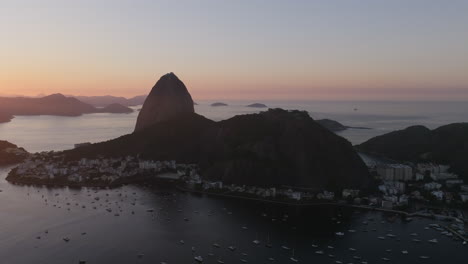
{"points": [[116, 108], [446, 145], [100, 101], [55, 104], [11, 154]]}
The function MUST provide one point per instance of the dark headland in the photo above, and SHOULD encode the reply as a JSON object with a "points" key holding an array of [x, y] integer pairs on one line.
{"points": [[444, 145], [11, 154], [336, 126]]}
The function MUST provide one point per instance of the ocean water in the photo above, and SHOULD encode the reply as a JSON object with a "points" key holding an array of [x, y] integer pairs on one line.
{"points": [[42, 133], [35, 220]]}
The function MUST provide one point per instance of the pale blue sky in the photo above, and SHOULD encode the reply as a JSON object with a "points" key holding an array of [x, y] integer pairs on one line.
{"points": [[238, 49]]}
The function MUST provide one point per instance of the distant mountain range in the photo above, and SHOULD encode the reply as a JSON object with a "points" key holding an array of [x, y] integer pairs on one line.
{"points": [[445, 145], [55, 104], [100, 101]]}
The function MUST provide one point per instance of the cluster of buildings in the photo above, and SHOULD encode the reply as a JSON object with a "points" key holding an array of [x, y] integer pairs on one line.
{"points": [[423, 181], [47, 167]]}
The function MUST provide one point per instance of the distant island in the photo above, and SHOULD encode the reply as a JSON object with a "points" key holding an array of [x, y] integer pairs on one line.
{"points": [[335, 126], [55, 104], [257, 105], [445, 145], [275, 148], [219, 104], [11, 154]]}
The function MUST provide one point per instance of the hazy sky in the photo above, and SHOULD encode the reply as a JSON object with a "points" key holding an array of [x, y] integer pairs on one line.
{"points": [[375, 49]]}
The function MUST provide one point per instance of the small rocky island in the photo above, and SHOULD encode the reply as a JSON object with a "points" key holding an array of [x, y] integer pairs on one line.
{"points": [[269, 149], [11, 154], [218, 104], [257, 105]]}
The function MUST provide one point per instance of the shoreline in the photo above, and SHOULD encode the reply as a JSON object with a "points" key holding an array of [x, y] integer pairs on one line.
{"points": [[336, 204]]}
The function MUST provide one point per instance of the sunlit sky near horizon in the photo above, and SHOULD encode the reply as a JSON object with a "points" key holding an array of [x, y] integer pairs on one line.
{"points": [[259, 49]]}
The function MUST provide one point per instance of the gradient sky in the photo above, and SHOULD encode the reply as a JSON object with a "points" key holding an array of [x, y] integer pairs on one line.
{"points": [[319, 50]]}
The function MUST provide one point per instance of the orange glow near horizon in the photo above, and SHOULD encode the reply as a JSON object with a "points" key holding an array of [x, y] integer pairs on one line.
{"points": [[317, 51]]}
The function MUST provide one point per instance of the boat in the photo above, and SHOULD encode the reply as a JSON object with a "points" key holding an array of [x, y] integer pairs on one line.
{"points": [[256, 242], [423, 257], [404, 252], [292, 258], [385, 259], [339, 233], [285, 248], [66, 239], [434, 241], [216, 245], [231, 248], [314, 246], [319, 252], [198, 259]]}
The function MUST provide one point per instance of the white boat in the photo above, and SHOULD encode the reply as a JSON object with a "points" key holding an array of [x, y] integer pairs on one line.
{"points": [[339, 233], [404, 252], [434, 241], [423, 257], [231, 248], [199, 259], [256, 242], [292, 258], [319, 252], [285, 248]]}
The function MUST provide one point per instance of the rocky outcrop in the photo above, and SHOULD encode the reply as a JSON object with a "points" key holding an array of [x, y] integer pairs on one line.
{"points": [[167, 100], [446, 145], [11, 154]]}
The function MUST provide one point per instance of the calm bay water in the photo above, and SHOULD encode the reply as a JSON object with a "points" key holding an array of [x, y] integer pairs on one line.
{"points": [[39, 133], [35, 220]]}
